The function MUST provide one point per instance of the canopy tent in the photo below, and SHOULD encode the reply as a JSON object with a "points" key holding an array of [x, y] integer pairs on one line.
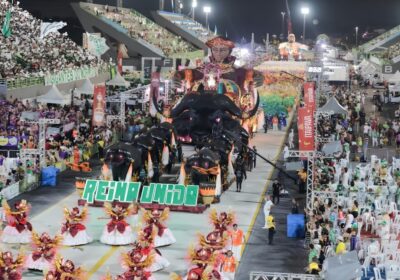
{"points": [[118, 81], [54, 96], [395, 78], [86, 88], [344, 267], [332, 106], [348, 56], [332, 148]]}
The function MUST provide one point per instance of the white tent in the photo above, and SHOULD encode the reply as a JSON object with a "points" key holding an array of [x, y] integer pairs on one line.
{"points": [[348, 57], [86, 88], [119, 81], [54, 96], [395, 78]]}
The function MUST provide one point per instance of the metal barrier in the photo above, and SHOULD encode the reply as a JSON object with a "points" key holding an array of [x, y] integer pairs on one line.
{"points": [[25, 82], [257, 275], [10, 153]]}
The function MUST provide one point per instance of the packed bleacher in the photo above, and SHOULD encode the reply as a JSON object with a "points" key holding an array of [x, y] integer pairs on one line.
{"points": [[381, 38], [24, 54], [140, 27], [188, 24], [356, 197]]}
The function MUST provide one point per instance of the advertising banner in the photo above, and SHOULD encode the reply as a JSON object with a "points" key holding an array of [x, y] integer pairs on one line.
{"points": [[305, 122], [99, 106], [9, 141], [309, 95], [163, 194]]}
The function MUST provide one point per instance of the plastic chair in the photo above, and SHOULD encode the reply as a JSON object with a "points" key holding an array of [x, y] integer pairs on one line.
{"points": [[377, 273]]}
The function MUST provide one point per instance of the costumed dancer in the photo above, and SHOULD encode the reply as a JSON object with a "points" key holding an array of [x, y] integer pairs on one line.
{"points": [[118, 231], [10, 269], [64, 270], [137, 265], [18, 230], [222, 221], [44, 252], [73, 231], [214, 241], [145, 244], [154, 218]]}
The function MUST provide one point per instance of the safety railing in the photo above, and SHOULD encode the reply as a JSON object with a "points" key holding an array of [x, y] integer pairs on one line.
{"points": [[24, 82], [258, 275], [10, 153]]}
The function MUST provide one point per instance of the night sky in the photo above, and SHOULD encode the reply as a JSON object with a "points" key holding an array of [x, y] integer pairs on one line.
{"points": [[242, 17]]}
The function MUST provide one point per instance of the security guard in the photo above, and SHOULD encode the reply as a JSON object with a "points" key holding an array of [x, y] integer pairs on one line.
{"points": [[271, 228]]}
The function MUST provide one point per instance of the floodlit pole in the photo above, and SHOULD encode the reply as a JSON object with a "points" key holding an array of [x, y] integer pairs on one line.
{"points": [[283, 23], [194, 6], [305, 11], [356, 36], [207, 10]]}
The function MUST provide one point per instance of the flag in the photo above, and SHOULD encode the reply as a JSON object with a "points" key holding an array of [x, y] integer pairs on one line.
{"points": [[96, 44], [6, 30], [49, 27]]}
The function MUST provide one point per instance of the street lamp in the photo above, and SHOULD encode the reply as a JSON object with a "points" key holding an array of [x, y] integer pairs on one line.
{"points": [[356, 36], [283, 24], [207, 10], [305, 11], [194, 6]]}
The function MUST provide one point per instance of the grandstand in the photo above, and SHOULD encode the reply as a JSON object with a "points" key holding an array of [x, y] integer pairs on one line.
{"points": [[141, 36], [384, 50], [382, 42], [189, 29], [28, 59]]}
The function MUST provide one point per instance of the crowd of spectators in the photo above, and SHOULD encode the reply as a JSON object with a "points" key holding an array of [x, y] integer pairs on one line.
{"points": [[194, 27], [24, 54], [355, 203], [140, 27]]}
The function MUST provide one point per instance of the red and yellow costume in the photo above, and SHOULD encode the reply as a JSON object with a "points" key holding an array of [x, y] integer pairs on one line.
{"points": [[64, 270], [155, 218], [118, 231], [145, 245], [137, 265], [73, 231], [222, 221], [10, 269], [44, 252], [19, 229]]}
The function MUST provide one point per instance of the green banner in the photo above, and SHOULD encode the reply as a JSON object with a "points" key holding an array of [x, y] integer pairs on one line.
{"points": [[67, 76], [164, 194], [6, 30]]}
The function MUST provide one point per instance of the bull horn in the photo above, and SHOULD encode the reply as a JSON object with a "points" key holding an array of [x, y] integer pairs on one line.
{"points": [[253, 111]]}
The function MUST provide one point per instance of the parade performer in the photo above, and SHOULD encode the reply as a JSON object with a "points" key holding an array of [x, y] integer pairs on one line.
{"points": [[18, 230], [222, 221], [213, 241], [229, 266], [10, 269], [64, 270], [145, 245], [73, 231], [154, 218], [118, 231], [44, 252], [137, 265]]}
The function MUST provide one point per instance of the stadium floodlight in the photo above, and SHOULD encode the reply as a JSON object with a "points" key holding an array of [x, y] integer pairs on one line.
{"points": [[304, 11], [207, 10]]}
